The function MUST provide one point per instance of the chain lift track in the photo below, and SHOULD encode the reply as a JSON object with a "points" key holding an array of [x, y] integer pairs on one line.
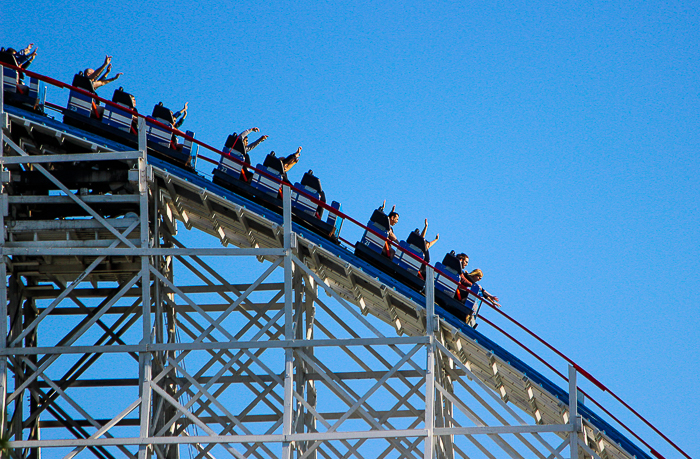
{"points": [[113, 350]]}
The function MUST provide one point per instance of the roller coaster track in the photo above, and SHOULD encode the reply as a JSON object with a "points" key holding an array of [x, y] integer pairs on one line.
{"points": [[458, 353]]}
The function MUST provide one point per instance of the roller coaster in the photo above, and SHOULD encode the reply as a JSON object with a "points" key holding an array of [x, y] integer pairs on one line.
{"points": [[92, 198]]}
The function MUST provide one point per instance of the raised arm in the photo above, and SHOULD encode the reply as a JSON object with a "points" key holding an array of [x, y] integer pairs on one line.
{"points": [[291, 160], [257, 142], [109, 80], [248, 131], [26, 50], [104, 80], [183, 114], [23, 60], [428, 245], [96, 74]]}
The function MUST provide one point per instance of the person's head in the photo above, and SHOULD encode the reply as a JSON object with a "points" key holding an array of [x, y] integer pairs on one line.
{"points": [[463, 259], [477, 275], [245, 141], [393, 218], [88, 71]]}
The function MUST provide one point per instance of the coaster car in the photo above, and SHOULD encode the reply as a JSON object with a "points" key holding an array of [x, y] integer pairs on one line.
{"points": [[263, 189], [305, 209], [164, 143], [399, 263], [15, 92], [118, 124], [410, 270], [446, 282]]}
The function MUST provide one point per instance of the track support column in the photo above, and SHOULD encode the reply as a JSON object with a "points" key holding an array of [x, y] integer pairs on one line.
{"points": [[145, 358], [3, 344], [311, 292], [573, 413], [3, 289], [288, 322], [430, 319]]}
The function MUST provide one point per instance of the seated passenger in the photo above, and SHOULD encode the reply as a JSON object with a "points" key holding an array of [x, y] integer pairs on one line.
{"points": [[282, 165], [393, 220], [242, 144], [96, 75], [474, 277], [80, 103], [235, 148], [464, 281], [165, 116], [239, 143], [414, 246], [262, 181], [25, 56]]}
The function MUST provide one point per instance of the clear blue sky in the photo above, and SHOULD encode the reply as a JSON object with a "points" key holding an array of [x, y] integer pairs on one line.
{"points": [[554, 142]]}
